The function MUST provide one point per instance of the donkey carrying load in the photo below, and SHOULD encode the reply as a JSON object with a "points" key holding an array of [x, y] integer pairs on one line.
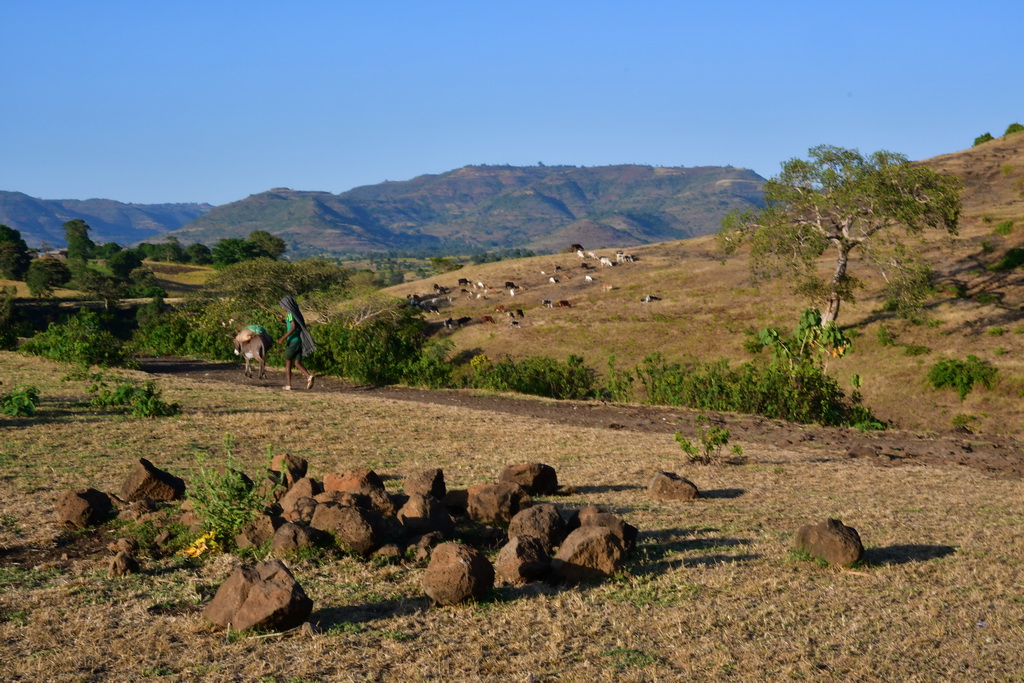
{"points": [[251, 343]]}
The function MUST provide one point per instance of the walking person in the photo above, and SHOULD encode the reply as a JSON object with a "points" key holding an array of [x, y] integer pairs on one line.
{"points": [[297, 341]]}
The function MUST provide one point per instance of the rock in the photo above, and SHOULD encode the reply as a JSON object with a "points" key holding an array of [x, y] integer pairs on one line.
{"points": [[389, 553], [590, 552], [286, 469], [266, 597], [627, 533], [84, 507], [127, 545], [428, 483], [258, 531], [137, 509], [364, 482], [349, 500], [536, 478], [422, 514], [542, 522], [148, 481], [496, 502], [457, 573], [290, 537], [123, 564], [523, 559], [456, 502], [301, 511], [670, 486], [301, 488], [830, 540], [189, 518], [361, 530], [421, 545]]}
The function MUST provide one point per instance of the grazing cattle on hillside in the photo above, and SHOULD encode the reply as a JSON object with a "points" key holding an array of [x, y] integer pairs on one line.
{"points": [[449, 323], [579, 252], [511, 292], [608, 288], [463, 282], [546, 303], [487, 319], [649, 298], [620, 256], [519, 313], [586, 266], [500, 308], [553, 280], [628, 258], [605, 261], [510, 285], [564, 304], [253, 345], [462, 321], [592, 255], [576, 247], [514, 323], [557, 267], [588, 278], [434, 309]]}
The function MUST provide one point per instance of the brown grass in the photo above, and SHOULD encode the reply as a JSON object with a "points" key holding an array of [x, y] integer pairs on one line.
{"points": [[711, 592]]}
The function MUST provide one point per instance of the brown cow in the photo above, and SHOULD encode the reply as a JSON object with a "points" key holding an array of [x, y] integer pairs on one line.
{"points": [[564, 304], [487, 319]]}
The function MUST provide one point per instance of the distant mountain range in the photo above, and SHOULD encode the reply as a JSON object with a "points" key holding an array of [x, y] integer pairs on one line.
{"points": [[487, 207], [468, 209], [42, 220]]}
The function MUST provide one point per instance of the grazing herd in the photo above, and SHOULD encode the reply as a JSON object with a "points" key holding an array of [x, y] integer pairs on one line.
{"points": [[481, 291]]}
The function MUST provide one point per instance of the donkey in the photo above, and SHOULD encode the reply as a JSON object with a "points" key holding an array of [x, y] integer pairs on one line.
{"points": [[253, 346]]}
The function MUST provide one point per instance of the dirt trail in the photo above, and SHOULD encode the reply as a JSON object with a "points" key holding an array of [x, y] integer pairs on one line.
{"points": [[999, 455]]}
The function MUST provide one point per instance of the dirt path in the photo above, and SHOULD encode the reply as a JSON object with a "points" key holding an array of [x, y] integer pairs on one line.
{"points": [[999, 455]]}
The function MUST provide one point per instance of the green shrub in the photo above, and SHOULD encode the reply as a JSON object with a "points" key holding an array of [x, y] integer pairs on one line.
{"points": [[885, 336], [915, 350], [996, 331], [962, 375], [21, 402], [1013, 258], [983, 138], [536, 375], [432, 369], [81, 341], [8, 338], [618, 385], [131, 398], [1004, 228], [1013, 128], [711, 439], [987, 298], [224, 499], [963, 421]]}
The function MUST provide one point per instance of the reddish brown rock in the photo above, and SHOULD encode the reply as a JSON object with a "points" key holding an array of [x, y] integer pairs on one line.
{"points": [[536, 478], [390, 553], [428, 483], [522, 560], [423, 514], [592, 516], [301, 488], [258, 531], [351, 500], [421, 546], [543, 522], [290, 537], [84, 507], [148, 481], [456, 502], [301, 511], [496, 502], [457, 573], [363, 482], [123, 564], [286, 469], [830, 540], [590, 552], [265, 597], [355, 528], [670, 486]]}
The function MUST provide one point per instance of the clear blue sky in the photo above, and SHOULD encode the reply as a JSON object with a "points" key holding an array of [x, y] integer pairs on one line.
{"points": [[213, 101]]}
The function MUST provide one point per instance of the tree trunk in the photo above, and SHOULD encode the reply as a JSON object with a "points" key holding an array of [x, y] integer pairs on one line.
{"points": [[835, 288]]}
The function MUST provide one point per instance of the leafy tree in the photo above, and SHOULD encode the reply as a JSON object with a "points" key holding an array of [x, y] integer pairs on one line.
{"points": [[46, 274], [441, 265], [1013, 128], [100, 286], [232, 250], [123, 263], [837, 201], [14, 257], [8, 338], [262, 282], [80, 247], [983, 138], [198, 254], [107, 250], [265, 244]]}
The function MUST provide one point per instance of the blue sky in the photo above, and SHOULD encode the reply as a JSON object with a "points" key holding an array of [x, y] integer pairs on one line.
{"points": [[213, 101]]}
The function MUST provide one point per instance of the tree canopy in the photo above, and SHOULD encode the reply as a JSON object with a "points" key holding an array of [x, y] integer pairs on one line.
{"points": [[80, 247], [14, 257], [837, 201]]}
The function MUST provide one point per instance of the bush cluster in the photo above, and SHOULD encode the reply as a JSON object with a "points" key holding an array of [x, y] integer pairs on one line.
{"points": [[536, 375], [21, 402], [132, 398], [81, 341], [962, 375]]}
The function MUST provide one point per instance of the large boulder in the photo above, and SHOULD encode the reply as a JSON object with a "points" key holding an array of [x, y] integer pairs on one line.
{"points": [[422, 514], [590, 552], [591, 515], [301, 488], [84, 507], [361, 530], [523, 559], [427, 483], [670, 486], [457, 573], [496, 502], [149, 481], [830, 540], [364, 482], [543, 522], [536, 478], [265, 597]]}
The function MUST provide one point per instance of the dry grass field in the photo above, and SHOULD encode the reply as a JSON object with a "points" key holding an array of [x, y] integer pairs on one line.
{"points": [[712, 592]]}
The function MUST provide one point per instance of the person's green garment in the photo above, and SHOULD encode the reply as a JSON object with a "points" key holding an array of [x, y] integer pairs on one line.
{"points": [[293, 344]]}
